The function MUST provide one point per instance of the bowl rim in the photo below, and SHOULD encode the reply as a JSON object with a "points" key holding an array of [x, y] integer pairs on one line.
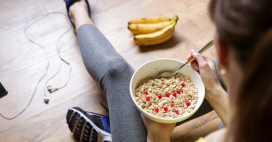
{"points": [[170, 119]]}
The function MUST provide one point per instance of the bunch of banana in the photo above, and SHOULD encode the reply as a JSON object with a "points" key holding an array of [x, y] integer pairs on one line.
{"points": [[152, 30]]}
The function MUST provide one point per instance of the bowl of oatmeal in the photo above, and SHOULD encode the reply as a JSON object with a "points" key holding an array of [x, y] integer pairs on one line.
{"points": [[166, 100]]}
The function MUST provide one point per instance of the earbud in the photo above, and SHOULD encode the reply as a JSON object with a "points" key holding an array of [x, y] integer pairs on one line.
{"points": [[46, 100], [50, 89]]}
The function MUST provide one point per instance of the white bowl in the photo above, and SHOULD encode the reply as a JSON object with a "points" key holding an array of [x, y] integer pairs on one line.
{"points": [[153, 68]]}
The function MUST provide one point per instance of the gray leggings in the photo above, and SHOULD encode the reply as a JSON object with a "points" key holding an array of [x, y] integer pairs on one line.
{"points": [[113, 73]]}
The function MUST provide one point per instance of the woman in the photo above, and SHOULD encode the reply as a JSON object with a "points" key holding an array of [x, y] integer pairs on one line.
{"points": [[243, 43]]}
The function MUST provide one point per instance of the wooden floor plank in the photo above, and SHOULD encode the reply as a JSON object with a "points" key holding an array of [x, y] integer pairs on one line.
{"points": [[16, 12], [22, 84], [51, 124], [22, 63], [20, 53]]}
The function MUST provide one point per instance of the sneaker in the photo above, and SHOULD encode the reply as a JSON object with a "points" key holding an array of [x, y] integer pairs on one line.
{"points": [[88, 128]]}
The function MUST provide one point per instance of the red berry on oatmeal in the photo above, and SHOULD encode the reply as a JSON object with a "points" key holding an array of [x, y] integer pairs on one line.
{"points": [[188, 103], [178, 91], [167, 94], [160, 96], [165, 108], [176, 111]]}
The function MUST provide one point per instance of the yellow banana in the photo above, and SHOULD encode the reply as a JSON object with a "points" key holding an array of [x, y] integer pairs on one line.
{"points": [[149, 20], [163, 39], [156, 37], [148, 28]]}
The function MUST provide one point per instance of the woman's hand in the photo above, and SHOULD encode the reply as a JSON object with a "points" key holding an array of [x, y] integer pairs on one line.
{"points": [[215, 94], [158, 132], [207, 70]]}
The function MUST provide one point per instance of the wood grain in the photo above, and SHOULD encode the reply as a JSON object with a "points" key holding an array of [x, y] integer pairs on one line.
{"points": [[22, 63]]}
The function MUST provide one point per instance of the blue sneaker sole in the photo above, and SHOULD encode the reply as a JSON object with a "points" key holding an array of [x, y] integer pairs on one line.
{"points": [[83, 129]]}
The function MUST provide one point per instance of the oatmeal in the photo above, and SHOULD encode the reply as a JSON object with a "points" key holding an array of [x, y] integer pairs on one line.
{"points": [[167, 98]]}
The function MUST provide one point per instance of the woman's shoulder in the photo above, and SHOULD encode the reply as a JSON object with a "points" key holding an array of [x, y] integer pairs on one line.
{"points": [[217, 136]]}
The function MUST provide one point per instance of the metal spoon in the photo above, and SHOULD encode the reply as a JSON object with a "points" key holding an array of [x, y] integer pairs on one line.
{"points": [[172, 74]]}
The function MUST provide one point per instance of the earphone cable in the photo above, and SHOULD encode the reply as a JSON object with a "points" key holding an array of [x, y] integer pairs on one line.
{"points": [[47, 66]]}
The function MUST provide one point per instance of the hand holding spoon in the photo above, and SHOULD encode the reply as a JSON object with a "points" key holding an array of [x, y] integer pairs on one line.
{"points": [[172, 74]]}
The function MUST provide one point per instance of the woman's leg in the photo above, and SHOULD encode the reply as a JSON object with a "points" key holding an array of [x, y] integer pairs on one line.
{"points": [[113, 73]]}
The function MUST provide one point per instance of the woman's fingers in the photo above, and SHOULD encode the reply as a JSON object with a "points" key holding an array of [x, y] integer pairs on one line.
{"points": [[210, 61], [190, 56], [143, 117], [207, 58], [194, 65], [200, 60]]}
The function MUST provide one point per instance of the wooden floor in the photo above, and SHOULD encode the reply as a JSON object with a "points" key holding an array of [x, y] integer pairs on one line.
{"points": [[23, 63]]}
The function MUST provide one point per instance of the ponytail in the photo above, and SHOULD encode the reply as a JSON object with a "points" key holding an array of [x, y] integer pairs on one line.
{"points": [[252, 119]]}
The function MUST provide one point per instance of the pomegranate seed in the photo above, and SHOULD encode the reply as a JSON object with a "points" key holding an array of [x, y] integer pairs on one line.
{"points": [[175, 94], [147, 98], [165, 108], [188, 103], [157, 109], [145, 92], [160, 96], [176, 111], [183, 84], [167, 95], [178, 91], [172, 105]]}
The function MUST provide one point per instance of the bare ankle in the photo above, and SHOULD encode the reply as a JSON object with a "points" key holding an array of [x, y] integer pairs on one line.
{"points": [[77, 9], [79, 13]]}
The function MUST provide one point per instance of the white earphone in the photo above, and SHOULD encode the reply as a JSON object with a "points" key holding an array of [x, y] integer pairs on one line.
{"points": [[46, 100], [49, 88]]}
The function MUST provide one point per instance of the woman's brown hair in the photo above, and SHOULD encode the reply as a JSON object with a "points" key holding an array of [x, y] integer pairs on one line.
{"points": [[246, 27]]}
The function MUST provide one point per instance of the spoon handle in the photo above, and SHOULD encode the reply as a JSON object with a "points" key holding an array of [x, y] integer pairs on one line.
{"points": [[206, 47]]}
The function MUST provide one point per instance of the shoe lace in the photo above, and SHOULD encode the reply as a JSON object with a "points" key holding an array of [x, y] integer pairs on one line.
{"points": [[101, 115]]}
